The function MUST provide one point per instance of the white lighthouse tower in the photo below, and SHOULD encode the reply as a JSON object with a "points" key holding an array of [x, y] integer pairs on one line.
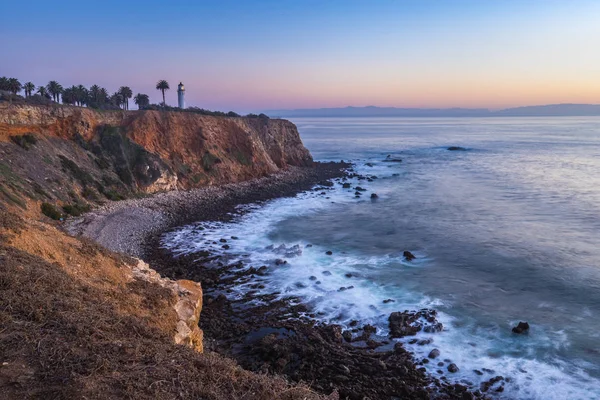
{"points": [[181, 95]]}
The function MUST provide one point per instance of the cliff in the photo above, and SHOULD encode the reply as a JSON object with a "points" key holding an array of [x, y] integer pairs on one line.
{"points": [[76, 155], [79, 321]]}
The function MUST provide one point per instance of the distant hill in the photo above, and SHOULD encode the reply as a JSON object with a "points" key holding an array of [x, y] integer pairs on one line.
{"points": [[558, 110]]}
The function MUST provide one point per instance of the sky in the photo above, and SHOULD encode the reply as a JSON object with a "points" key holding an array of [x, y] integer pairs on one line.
{"points": [[258, 55]]}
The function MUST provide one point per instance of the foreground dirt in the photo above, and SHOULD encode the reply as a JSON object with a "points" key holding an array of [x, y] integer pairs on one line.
{"points": [[75, 323]]}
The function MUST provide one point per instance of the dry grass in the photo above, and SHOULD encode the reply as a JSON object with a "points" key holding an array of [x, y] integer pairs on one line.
{"points": [[65, 335]]}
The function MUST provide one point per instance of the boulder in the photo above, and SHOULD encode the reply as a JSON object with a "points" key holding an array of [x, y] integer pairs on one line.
{"points": [[452, 368], [456, 148], [522, 327], [374, 196], [435, 353], [408, 256]]}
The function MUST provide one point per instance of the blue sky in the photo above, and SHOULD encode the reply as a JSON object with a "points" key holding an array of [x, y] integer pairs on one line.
{"points": [[246, 55]]}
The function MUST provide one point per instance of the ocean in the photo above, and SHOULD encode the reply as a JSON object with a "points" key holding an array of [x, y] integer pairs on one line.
{"points": [[507, 230]]}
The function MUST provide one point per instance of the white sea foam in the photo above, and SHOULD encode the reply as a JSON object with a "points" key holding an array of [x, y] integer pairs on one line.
{"points": [[316, 278]]}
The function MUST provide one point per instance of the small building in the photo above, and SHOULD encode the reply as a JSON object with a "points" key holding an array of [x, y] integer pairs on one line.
{"points": [[181, 96]]}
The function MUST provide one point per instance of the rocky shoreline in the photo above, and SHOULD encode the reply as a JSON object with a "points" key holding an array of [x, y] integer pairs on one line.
{"points": [[126, 226], [262, 333]]}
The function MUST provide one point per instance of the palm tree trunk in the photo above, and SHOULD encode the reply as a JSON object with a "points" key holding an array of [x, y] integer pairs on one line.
{"points": [[164, 102]]}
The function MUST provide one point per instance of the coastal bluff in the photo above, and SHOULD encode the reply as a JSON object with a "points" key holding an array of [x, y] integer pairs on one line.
{"points": [[81, 321], [119, 154]]}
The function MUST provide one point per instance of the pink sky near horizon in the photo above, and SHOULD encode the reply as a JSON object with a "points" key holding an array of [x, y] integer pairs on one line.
{"points": [[275, 55]]}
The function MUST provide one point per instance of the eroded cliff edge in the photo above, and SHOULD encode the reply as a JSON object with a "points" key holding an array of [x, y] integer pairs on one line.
{"points": [[111, 155], [79, 321]]}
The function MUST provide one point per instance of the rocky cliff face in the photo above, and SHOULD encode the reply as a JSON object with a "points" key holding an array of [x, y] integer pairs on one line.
{"points": [[75, 155]]}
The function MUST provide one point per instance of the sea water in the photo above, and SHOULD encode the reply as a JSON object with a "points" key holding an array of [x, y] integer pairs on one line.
{"points": [[506, 231]]}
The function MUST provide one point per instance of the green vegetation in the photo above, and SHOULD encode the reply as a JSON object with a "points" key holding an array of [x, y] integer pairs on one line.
{"points": [[242, 158], [11, 197], [25, 141], [126, 94], [141, 100], [50, 211], [76, 209], [97, 97], [163, 85], [82, 176], [209, 160]]}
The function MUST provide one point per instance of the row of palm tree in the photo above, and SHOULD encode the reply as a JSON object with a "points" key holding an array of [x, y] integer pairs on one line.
{"points": [[95, 96]]}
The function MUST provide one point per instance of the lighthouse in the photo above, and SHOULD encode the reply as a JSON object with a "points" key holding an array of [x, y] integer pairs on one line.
{"points": [[181, 95]]}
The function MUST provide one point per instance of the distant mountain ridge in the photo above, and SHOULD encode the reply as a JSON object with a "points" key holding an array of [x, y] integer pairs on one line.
{"points": [[555, 110]]}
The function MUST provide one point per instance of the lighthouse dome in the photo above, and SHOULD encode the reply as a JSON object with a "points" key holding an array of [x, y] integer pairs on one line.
{"points": [[180, 86]]}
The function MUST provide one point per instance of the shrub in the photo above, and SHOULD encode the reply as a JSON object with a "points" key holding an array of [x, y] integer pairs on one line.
{"points": [[82, 176], [25, 141], [209, 160], [76, 209], [50, 211]]}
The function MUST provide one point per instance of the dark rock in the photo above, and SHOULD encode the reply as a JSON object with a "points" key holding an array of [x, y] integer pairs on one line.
{"points": [[279, 261], [452, 368], [309, 245], [436, 327], [326, 273], [440, 364], [225, 246], [435, 353], [408, 256], [485, 386], [374, 196], [360, 189], [223, 240], [329, 252], [234, 237], [262, 270], [456, 148], [389, 301], [347, 335], [389, 158], [346, 185], [478, 372], [312, 278], [348, 275], [522, 327], [403, 324]]}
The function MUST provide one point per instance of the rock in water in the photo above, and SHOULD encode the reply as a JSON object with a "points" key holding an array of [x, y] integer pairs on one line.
{"points": [[374, 196], [523, 327], [456, 148], [435, 353], [452, 368], [409, 256], [329, 253]]}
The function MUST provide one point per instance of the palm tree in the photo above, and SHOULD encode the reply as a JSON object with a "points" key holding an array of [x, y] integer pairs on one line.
{"points": [[82, 95], [163, 85], [126, 92], [117, 99], [29, 88], [14, 86], [68, 96], [55, 89], [142, 100], [42, 91], [103, 95], [4, 83], [95, 93]]}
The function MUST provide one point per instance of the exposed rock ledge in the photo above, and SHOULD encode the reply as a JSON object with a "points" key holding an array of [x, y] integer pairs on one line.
{"points": [[187, 307]]}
